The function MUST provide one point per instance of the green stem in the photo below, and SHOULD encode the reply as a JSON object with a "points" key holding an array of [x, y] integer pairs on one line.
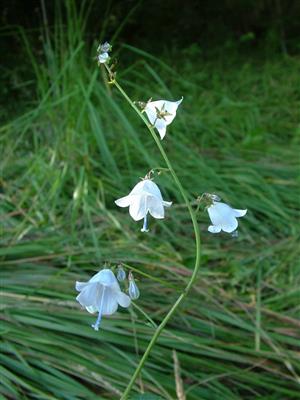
{"points": [[197, 239]]}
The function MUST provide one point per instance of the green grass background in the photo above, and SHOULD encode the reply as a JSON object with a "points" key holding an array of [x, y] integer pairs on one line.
{"points": [[73, 147]]}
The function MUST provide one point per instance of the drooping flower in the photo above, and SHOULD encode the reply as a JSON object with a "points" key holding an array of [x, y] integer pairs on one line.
{"points": [[144, 198], [101, 293], [223, 217], [161, 113], [133, 290]]}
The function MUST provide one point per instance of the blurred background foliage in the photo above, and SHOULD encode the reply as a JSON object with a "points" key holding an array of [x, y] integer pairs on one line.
{"points": [[70, 146]]}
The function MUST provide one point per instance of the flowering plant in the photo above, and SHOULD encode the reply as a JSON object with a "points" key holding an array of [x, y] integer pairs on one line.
{"points": [[102, 293]]}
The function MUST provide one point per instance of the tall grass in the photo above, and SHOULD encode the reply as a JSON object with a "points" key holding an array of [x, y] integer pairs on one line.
{"points": [[76, 148]]}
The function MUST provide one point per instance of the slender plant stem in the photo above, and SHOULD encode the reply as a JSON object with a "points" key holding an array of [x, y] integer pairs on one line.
{"points": [[197, 238]]}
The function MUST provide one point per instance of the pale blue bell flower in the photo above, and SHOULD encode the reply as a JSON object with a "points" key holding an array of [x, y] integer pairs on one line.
{"points": [[101, 294], [223, 217], [144, 198]]}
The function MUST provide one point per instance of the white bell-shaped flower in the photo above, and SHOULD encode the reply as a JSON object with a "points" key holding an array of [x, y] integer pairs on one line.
{"points": [[101, 293], [223, 217], [161, 113], [144, 198]]}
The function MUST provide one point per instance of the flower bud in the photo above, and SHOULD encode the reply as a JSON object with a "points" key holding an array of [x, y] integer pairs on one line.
{"points": [[133, 290], [104, 48], [121, 274], [103, 57]]}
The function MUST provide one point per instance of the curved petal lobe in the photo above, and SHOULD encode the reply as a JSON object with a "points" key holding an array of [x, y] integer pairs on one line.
{"points": [[89, 295], [214, 229], [123, 201], [230, 225], [91, 309], [123, 299], [239, 213], [155, 207]]}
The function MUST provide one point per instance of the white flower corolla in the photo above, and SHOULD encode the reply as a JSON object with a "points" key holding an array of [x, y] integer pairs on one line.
{"points": [[101, 294], [161, 113], [223, 217], [144, 198]]}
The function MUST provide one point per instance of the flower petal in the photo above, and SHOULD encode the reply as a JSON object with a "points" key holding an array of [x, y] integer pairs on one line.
{"points": [[151, 112], [171, 107], [155, 207], [105, 277], [162, 130], [80, 285], [91, 309], [230, 225], [109, 301], [219, 213], [89, 295], [167, 203], [123, 299], [151, 188], [138, 207], [160, 124], [123, 201], [214, 229], [239, 213]]}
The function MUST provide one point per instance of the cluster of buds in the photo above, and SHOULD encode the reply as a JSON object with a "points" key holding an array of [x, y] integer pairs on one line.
{"points": [[133, 290], [102, 52]]}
